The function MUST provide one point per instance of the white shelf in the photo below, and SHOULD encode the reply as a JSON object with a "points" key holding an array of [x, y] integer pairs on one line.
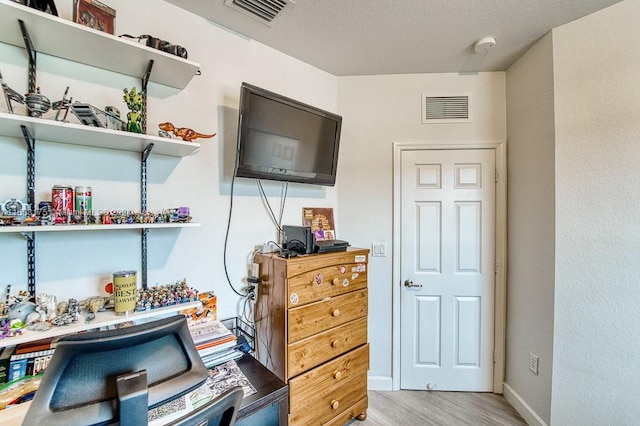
{"points": [[79, 134], [75, 228], [65, 39], [102, 319]]}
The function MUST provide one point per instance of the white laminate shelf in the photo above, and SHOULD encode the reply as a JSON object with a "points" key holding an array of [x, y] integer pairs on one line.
{"points": [[79, 134], [102, 319], [76, 228], [65, 39]]}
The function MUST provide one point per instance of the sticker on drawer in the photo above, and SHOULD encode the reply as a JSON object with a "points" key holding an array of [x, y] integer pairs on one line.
{"points": [[345, 282], [294, 299], [361, 258], [359, 268], [318, 279], [343, 269]]}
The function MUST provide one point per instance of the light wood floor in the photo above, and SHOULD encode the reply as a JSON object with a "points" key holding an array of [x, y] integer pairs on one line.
{"points": [[418, 408]]}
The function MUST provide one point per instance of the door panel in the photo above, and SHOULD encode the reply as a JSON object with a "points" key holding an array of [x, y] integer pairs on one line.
{"points": [[447, 250]]}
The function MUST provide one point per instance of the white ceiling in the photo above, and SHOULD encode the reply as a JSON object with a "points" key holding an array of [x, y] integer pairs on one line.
{"points": [[368, 37]]}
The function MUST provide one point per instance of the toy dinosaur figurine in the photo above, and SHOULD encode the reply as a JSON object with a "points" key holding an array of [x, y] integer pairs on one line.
{"points": [[182, 132]]}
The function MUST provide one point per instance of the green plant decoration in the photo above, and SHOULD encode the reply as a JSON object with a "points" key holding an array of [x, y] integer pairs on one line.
{"points": [[133, 99]]}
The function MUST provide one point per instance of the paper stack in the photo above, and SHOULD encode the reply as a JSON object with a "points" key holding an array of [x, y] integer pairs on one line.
{"points": [[214, 342]]}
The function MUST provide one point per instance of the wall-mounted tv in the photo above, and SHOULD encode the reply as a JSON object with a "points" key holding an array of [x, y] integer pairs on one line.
{"points": [[285, 140]]}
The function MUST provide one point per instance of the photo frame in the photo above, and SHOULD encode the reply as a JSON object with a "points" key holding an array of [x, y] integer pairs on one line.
{"points": [[94, 14]]}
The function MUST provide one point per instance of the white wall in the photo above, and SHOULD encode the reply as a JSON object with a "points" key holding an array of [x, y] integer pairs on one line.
{"points": [[378, 111], [531, 230], [597, 109], [78, 264]]}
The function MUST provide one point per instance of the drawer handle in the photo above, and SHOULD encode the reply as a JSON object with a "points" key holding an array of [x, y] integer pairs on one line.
{"points": [[335, 312], [335, 404], [337, 375], [335, 281], [335, 343]]}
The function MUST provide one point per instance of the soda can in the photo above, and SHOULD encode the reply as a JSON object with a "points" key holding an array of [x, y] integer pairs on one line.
{"points": [[62, 201], [82, 200], [125, 286]]}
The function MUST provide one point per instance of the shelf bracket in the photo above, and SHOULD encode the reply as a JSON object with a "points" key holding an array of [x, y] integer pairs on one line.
{"points": [[31, 262], [31, 165], [143, 207], [145, 82], [143, 276], [32, 56]]}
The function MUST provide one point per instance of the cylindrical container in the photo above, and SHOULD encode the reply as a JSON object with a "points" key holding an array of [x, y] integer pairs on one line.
{"points": [[82, 200], [62, 200], [125, 286]]}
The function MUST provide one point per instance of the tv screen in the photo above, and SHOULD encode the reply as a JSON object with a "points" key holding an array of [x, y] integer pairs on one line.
{"points": [[286, 140]]}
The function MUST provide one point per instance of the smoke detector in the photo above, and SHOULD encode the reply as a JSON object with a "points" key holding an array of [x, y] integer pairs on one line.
{"points": [[485, 44]]}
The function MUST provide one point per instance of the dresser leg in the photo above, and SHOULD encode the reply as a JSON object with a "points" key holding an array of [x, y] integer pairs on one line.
{"points": [[362, 416]]}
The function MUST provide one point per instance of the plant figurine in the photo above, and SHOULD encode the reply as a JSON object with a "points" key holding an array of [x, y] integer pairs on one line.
{"points": [[133, 99]]}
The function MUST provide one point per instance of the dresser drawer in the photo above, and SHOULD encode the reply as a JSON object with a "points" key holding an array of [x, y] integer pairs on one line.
{"points": [[330, 281], [329, 404], [328, 376], [357, 409], [312, 351], [308, 320]]}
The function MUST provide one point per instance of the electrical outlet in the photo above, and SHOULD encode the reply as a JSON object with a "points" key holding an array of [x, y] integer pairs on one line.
{"points": [[255, 270], [533, 363]]}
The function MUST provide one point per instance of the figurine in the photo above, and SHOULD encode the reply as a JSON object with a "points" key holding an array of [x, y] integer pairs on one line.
{"points": [[61, 105], [182, 132], [10, 95], [37, 103], [133, 99]]}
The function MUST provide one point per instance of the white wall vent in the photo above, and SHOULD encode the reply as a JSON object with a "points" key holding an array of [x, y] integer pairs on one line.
{"points": [[264, 11], [446, 108]]}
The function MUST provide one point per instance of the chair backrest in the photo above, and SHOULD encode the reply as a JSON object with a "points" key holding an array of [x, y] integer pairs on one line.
{"points": [[82, 382], [220, 411]]}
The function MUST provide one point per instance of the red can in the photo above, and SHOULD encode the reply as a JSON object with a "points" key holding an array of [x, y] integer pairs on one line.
{"points": [[62, 200]]}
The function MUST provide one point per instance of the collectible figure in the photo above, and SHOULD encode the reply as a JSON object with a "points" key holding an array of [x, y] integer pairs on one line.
{"points": [[37, 103], [10, 95], [133, 99], [182, 132]]}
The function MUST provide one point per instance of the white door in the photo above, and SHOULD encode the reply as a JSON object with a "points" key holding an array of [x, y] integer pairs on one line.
{"points": [[447, 269]]}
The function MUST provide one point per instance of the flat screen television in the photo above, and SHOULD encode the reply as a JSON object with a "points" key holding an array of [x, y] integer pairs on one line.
{"points": [[285, 140]]}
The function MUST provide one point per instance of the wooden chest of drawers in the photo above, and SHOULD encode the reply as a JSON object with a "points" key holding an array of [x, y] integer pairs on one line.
{"points": [[311, 325]]}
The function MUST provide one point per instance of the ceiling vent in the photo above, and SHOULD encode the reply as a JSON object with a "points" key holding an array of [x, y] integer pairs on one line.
{"points": [[264, 11], [449, 108]]}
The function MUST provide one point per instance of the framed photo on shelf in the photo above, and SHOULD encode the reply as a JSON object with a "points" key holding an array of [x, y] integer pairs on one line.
{"points": [[94, 14]]}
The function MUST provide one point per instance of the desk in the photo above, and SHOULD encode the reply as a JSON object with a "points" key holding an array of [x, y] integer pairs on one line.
{"points": [[272, 394], [268, 406]]}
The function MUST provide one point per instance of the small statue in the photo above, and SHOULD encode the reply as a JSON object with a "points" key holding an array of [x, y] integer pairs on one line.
{"points": [[133, 99], [182, 132]]}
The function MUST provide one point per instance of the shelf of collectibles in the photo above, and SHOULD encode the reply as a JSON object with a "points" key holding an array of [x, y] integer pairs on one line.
{"points": [[79, 134], [59, 37], [93, 313], [73, 228]]}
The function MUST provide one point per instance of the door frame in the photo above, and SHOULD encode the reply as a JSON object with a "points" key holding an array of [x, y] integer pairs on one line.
{"points": [[500, 302]]}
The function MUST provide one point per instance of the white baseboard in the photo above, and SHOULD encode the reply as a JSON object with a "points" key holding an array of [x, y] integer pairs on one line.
{"points": [[520, 405], [380, 383]]}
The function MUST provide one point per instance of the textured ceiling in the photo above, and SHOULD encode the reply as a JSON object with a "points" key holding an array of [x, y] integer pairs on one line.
{"points": [[367, 37]]}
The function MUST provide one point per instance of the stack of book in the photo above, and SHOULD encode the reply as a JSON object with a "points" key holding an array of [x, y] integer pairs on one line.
{"points": [[26, 359], [215, 343]]}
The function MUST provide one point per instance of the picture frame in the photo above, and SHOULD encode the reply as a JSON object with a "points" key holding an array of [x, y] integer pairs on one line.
{"points": [[94, 14]]}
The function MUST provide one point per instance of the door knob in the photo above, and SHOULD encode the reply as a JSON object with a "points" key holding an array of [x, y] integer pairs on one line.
{"points": [[410, 283]]}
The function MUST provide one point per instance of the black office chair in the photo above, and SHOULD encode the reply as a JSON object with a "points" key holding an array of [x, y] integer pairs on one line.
{"points": [[221, 411], [101, 378]]}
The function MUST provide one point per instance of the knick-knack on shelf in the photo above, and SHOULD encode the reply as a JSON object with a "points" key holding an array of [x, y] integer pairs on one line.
{"points": [[133, 99]]}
